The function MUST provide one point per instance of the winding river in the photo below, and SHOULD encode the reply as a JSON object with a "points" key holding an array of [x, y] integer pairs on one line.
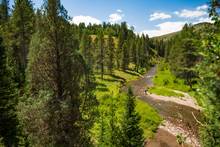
{"points": [[178, 117]]}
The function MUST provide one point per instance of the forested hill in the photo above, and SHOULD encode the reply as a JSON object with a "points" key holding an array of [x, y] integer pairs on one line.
{"points": [[200, 27], [165, 43]]}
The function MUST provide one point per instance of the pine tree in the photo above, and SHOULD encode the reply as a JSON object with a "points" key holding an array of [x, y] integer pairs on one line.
{"points": [[55, 66], [143, 51], [88, 104], [138, 53], [118, 54], [125, 56], [62, 119], [96, 54], [132, 133], [133, 51], [86, 49], [22, 21], [8, 118], [183, 57], [110, 54], [114, 129], [101, 54], [4, 11], [122, 37]]}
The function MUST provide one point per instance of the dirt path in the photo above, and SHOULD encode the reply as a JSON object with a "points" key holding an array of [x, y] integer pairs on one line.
{"points": [[176, 112]]}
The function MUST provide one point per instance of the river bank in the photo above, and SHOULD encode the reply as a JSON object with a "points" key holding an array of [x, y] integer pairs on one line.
{"points": [[178, 114]]}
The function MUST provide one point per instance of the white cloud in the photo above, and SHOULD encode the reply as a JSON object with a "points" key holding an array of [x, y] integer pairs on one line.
{"points": [[158, 15], [199, 11], [203, 7], [119, 11], [207, 19], [194, 16], [165, 28], [191, 13], [203, 19], [116, 17], [85, 19], [131, 26]]}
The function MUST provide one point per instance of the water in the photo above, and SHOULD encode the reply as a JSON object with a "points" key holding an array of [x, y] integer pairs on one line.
{"points": [[177, 114]]}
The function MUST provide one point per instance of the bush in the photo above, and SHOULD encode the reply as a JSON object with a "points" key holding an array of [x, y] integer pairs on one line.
{"points": [[165, 82]]}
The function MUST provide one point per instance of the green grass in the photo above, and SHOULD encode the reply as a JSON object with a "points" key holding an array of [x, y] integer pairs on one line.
{"points": [[164, 92], [111, 85], [165, 78], [165, 82], [150, 120]]}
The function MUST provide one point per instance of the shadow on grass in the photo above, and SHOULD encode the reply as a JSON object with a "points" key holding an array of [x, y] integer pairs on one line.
{"points": [[101, 85], [131, 72], [120, 79], [113, 79], [102, 89]]}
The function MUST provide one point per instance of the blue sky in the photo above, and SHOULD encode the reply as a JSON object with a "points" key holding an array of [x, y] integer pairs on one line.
{"points": [[154, 17]]}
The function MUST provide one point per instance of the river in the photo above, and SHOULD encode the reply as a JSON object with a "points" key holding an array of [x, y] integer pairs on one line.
{"points": [[178, 117]]}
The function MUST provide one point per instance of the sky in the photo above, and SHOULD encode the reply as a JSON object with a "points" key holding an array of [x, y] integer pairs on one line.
{"points": [[152, 17]]}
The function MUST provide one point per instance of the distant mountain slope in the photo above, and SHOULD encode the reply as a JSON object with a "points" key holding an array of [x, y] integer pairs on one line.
{"points": [[200, 27]]}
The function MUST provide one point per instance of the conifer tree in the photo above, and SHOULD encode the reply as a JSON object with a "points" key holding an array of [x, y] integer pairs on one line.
{"points": [[8, 118], [125, 56], [56, 67], [122, 37], [110, 54], [143, 51], [114, 129], [21, 22], [4, 11], [86, 49], [132, 133], [96, 54], [138, 54], [101, 53], [183, 57], [133, 50]]}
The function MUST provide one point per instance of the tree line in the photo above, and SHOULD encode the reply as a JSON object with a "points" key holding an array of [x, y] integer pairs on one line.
{"points": [[47, 75]]}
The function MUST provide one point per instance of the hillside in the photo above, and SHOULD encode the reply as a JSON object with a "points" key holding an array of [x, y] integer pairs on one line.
{"points": [[200, 27]]}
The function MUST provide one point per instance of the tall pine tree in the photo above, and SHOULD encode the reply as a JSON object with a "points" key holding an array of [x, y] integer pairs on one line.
{"points": [[125, 56], [3, 11], [8, 118], [86, 49], [21, 22], [132, 133], [101, 53], [110, 54], [55, 66]]}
